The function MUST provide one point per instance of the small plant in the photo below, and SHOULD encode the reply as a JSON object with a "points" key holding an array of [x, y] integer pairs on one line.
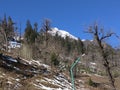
{"points": [[92, 83], [116, 74], [54, 59]]}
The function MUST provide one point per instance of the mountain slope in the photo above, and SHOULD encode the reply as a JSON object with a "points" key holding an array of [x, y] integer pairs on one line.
{"points": [[50, 79], [61, 33]]}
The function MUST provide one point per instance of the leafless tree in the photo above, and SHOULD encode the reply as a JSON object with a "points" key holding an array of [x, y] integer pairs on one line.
{"points": [[45, 28], [99, 36]]}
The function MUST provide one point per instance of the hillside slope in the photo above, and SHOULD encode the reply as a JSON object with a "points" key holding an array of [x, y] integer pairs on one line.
{"points": [[47, 79]]}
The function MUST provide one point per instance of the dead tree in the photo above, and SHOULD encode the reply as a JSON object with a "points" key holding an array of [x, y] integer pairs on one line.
{"points": [[45, 28], [99, 36]]}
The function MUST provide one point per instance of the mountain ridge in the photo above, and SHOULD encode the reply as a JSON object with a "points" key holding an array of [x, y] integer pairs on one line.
{"points": [[61, 33]]}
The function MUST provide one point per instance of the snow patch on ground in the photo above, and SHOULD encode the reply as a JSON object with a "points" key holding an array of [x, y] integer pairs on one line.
{"points": [[11, 59], [9, 82], [17, 79], [39, 63], [36, 62], [60, 83]]}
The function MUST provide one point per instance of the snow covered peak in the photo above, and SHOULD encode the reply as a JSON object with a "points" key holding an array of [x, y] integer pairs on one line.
{"points": [[61, 33], [83, 40]]}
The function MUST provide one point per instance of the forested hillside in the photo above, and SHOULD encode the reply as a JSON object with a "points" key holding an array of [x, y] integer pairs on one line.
{"points": [[58, 53]]}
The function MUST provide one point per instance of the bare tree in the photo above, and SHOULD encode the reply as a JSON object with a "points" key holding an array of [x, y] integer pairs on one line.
{"points": [[99, 36], [45, 28]]}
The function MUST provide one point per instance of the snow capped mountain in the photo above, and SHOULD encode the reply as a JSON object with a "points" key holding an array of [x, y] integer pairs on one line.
{"points": [[61, 33], [83, 40]]}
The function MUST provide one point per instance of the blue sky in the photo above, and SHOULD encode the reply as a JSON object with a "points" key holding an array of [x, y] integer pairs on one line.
{"points": [[73, 16]]}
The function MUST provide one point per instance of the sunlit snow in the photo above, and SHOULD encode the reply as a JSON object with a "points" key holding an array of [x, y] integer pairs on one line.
{"points": [[61, 33]]}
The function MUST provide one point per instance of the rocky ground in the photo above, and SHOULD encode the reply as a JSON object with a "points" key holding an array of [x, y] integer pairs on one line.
{"points": [[21, 74]]}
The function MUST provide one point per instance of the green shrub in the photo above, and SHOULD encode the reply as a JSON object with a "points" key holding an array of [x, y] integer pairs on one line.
{"points": [[54, 59], [92, 83], [116, 74]]}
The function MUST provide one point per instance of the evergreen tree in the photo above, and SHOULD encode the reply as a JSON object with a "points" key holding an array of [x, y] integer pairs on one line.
{"points": [[35, 26], [80, 46], [67, 44], [10, 27], [7, 29], [54, 59], [30, 33]]}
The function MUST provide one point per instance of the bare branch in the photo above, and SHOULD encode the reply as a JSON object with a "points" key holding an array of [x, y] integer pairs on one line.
{"points": [[107, 36], [89, 32], [117, 36], [97, 35]]}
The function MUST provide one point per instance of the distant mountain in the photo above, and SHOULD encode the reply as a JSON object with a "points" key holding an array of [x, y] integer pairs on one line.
{"points": [[61, 33]]}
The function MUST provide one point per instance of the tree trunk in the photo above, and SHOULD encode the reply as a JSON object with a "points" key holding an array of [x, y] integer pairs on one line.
{"points": [[105, 62]]}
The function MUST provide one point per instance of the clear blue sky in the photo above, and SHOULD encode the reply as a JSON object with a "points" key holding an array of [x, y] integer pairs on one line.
{"points": [[73, 16]]}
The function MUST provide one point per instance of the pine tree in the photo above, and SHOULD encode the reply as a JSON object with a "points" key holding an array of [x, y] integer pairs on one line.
{"points": [[7, 29], [10, 27], [80, 46], [54, 59], [35, 26], [30, 33]]}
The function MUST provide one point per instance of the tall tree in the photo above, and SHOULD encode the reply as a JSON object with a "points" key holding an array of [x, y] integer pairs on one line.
{"points": [[7, 29], [10, 28], [30, 33], [45, 28], [99, 36], [80, 46], [36, 26]]}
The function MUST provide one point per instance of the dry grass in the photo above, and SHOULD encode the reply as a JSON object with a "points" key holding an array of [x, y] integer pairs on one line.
{"points": [[103, 81], [117, 83]]}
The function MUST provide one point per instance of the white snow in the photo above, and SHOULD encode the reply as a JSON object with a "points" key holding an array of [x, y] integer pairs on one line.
{"points": [[61, 33], [16, 68], [91, 40], [83, 54], [83, 40], [45, 87], [11, 59], [38, 63], [17, 79], [92, 63], [9, 82], [59, 81]]}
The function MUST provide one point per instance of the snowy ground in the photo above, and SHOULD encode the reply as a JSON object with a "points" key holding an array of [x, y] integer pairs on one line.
{"points": [[50, 81]]}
